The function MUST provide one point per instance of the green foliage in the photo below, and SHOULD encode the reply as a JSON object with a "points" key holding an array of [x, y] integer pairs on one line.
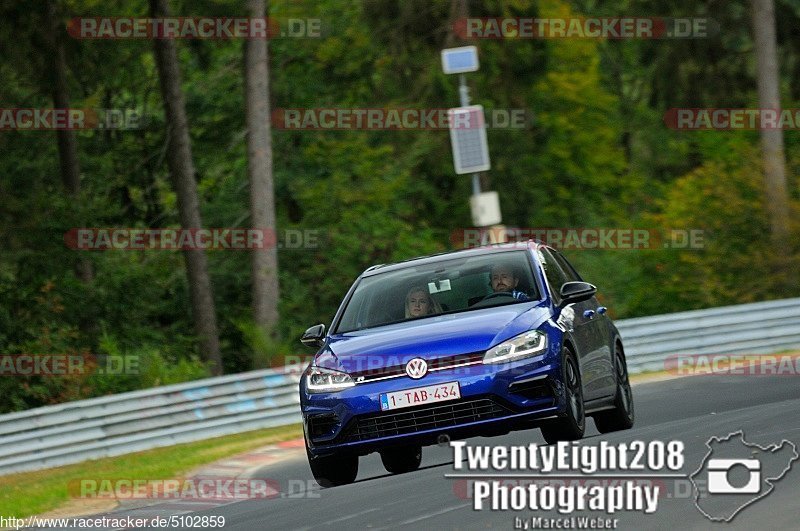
{"points": [[738, 263], [110, 370]]}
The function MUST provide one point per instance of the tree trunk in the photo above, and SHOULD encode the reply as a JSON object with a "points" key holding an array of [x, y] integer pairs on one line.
{"points": [[259, 170], [771, 139], [67, 141], [458, 14], [181, 167]]}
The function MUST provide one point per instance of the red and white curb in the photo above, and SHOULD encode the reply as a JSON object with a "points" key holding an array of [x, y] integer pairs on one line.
{"points": [[242, 466]]}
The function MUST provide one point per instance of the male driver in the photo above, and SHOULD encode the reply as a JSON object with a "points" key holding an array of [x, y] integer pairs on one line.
{"points": [[504, 280]]}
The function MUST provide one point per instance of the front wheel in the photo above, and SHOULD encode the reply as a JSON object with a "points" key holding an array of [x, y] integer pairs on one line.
{"points": [[400, 460], [622, 416], [572, 426], [335, 470]]}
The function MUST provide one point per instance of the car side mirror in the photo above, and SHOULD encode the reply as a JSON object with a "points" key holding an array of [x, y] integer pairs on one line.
{"points": [[314, 336], [572, 292]]}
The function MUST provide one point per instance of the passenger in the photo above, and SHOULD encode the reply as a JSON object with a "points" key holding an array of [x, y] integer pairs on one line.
{"points": [[419, 302], [505, 280]]}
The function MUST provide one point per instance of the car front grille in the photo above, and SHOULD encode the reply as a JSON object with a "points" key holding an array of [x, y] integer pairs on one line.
{"points": [[451, 414]]}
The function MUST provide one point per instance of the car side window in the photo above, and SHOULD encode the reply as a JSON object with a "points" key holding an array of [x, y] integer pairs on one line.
{"points": [[553, 273], [569, 271]]}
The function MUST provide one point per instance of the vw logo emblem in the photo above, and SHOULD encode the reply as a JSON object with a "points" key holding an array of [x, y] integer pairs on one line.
{"points": [[416, 368]]}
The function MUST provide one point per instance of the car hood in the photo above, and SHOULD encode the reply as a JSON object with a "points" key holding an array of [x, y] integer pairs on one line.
{"points": [[431, 338]]}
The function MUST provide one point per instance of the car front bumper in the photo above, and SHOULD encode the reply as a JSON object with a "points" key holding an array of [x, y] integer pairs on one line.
{"points": [[494, 400]]}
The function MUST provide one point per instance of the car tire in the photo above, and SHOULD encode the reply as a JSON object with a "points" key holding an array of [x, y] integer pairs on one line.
{"points": [[335, 470], [572, 426], [401, 460], [622, 416]]}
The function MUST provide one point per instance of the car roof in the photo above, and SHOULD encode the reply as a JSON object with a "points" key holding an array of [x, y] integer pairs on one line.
{"points": [[449, 255]]}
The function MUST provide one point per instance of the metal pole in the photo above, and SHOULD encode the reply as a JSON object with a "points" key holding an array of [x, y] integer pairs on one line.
{"points": [[463, 93]]}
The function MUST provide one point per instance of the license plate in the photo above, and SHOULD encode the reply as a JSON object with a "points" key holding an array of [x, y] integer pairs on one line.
{"points": [[420, 395]]}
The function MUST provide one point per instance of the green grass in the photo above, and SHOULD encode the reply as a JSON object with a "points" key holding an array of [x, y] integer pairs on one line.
{"points": [[30, 493]]}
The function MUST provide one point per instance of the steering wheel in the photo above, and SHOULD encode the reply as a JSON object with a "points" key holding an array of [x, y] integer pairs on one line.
{"points": [[486, 301], [497, 295]]}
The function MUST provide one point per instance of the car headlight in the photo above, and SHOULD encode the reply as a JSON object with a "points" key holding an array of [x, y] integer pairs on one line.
{"points": [[522, 346], [321, 380]]}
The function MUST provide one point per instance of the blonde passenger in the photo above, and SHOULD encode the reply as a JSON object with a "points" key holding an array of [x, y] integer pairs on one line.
{"points": [[419, 303]]}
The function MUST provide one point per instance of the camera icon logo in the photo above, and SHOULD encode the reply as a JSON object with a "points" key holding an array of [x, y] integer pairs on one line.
{"points": [[718, 476], [735, 473]]}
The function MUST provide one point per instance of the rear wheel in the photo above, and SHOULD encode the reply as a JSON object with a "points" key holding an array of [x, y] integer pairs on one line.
{"points": [[622, 416], [335, 470], [572, 426], [403, 459]]}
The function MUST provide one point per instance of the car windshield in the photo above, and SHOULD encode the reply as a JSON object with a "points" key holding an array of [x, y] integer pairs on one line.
{"points": [[442, 287]]}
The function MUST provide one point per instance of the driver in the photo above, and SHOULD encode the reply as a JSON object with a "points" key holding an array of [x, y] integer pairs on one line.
{"points": [[505, 280]]}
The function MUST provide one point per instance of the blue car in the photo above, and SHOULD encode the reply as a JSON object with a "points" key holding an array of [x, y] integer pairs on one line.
{"points": [[476, 342]]}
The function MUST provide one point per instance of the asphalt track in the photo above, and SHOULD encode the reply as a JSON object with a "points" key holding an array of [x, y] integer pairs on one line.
{"points": [[766, 408]]}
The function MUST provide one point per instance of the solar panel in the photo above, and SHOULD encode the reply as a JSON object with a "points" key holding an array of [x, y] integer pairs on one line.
{"points": [[468, 139]]}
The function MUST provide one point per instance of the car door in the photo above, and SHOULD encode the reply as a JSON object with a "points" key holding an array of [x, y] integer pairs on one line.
{"points": [[600, 360], [575, 318]]}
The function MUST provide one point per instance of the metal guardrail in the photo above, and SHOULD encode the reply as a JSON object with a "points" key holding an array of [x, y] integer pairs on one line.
{"points": [[163, 416], [72, 432], [755, 328]]}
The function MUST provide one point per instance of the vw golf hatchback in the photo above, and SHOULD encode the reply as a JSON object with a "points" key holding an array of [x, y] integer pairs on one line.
{"points": [[476, 342]]}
